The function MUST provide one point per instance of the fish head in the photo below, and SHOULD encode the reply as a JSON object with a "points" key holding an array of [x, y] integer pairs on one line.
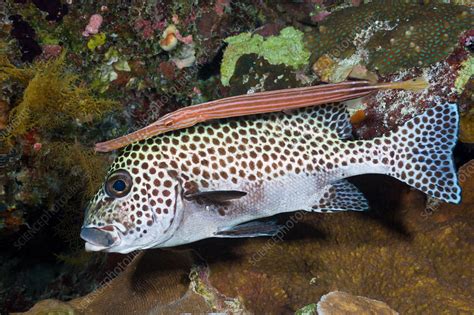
{"points": [[137, 207]]}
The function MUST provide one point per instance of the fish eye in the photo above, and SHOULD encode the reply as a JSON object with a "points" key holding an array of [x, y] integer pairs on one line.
{"points": [[118, 184]]}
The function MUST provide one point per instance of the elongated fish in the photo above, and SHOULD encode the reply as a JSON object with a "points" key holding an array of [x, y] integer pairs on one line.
{"points": [[259, 103], [212, 179]]}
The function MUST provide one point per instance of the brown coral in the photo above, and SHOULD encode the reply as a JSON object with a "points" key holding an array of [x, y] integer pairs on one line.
{"points": [[397, 34]]}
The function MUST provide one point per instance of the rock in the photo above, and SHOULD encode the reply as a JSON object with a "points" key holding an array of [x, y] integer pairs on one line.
{"points": [[324, 67], [51, 306], [337, 303]]}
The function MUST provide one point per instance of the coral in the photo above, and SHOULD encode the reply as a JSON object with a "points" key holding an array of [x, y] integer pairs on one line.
{"points": [[186, 58], [55, 9], [52, 307], [51, 51], [255, 74], [309, 309], [62, 177], [10, 219], [151, 283], [4, 110], [26, 37], [324, 68], [169, 39], [285, 49], [396, 34], [385, 110], [200, 284], [428, 37]]}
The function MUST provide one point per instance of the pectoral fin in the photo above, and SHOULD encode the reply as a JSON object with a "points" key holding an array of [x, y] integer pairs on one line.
{"points": [[250, 229], [217, 195]]}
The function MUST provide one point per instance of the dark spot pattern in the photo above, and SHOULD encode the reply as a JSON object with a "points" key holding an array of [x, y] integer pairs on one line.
{"points": [[253, 151]]}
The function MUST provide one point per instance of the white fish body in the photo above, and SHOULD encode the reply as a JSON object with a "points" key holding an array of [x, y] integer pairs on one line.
{"points": [[211, 179]]}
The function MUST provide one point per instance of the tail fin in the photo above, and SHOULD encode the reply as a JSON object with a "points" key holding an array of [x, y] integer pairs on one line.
{"points": [[421, 153]]}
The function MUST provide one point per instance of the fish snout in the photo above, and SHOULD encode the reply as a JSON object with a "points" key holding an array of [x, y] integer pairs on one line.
{"points": [[100, 238]]}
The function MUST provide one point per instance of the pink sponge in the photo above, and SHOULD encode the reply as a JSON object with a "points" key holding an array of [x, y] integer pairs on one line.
{"points": [[95, 22]]}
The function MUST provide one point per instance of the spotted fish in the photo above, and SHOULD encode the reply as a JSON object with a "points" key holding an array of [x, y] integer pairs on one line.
{"points": [[216, 179]]}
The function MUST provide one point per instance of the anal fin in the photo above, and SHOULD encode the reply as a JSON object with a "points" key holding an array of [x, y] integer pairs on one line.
{"points": [[249, 229], [341, 196]]}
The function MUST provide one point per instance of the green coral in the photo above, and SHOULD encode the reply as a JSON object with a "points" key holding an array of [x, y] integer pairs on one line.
{"points": [[405, 34], [287, 48]]}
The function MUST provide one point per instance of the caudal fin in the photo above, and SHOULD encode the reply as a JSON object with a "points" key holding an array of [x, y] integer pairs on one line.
{"points": [[421, 152]]}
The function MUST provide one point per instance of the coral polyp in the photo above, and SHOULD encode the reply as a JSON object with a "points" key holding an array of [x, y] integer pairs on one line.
{"points": [[394, 34]]}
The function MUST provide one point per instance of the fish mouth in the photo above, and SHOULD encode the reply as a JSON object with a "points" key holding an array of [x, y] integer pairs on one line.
{"points": [[100, 238]]}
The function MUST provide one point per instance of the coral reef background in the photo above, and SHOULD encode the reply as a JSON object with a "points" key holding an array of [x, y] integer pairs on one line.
{"points": [[76, 72]]}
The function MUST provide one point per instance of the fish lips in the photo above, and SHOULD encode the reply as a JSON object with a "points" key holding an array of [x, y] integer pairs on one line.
{"points": [[100, 238]]}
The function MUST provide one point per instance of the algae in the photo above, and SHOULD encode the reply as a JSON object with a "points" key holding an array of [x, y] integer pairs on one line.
{"points": [[310, 309], [96, 40], [286, 48], [466, 129], [466, 72], [54, 97], [78, 161], [9, 72]]}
